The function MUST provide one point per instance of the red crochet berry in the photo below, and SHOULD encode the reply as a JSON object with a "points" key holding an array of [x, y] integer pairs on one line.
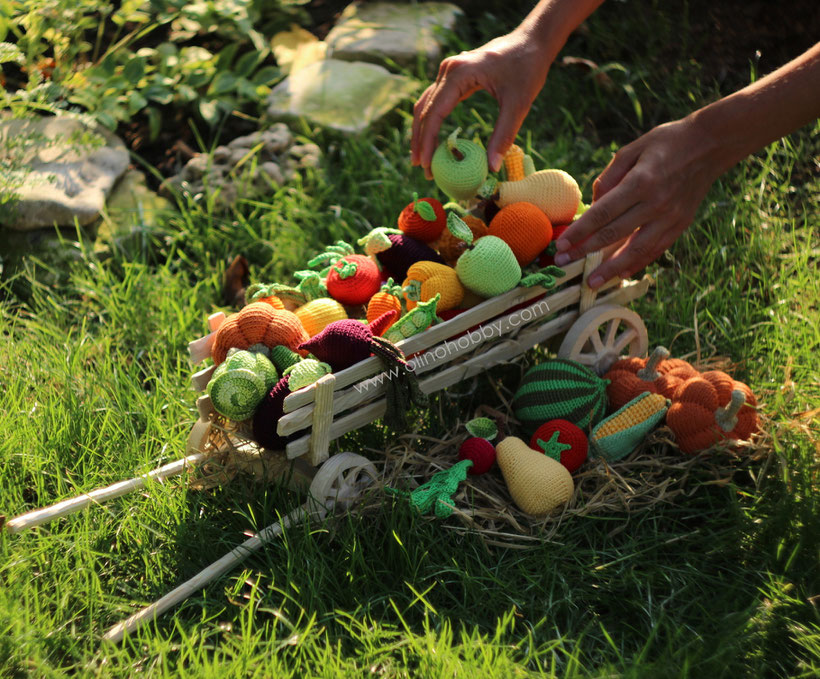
{"points": [[480, 451], [562, 441], [415, 221], [353, 280], [547, 258]]}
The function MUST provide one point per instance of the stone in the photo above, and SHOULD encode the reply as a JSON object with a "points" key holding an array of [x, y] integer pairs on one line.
{"points": [[340, 95], [296, 48], [68, 169], [381, 32]]}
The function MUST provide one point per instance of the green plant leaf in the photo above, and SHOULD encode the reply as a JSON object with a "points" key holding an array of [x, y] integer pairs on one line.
{"points": [[208, 110], [226, 56], [136, 102], [134, 70], [245, 64], [154, 122], [266, 75], [223, 83], [158, 93]]}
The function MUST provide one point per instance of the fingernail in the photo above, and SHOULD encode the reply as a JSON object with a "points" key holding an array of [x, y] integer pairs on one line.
{"points": [[562, 258], [595, 281], [495, 162], [561, 244]]}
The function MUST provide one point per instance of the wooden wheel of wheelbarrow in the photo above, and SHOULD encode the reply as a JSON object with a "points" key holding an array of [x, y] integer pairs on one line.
{"points": [[602, 335]]}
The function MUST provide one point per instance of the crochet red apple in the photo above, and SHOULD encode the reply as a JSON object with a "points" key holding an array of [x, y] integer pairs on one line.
{"points": [[563, 441], [423, 219], [353, 280], [480, 451]]}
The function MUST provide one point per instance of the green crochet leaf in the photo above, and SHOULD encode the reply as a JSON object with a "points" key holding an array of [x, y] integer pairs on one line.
{"points": [[458, 227], [425, 210], [482, 427], [553, 448], [488, 188], [544, 277], [438, 492]]}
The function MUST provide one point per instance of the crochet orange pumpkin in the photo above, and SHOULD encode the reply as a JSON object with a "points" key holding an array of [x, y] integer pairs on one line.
{"points": [[658, 374], [258, 323], [523, 227], [710, 408]]}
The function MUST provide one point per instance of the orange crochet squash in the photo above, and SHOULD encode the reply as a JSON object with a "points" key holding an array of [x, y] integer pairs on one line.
{"points": [[525, 228], [710, 408], [258, 323], [630, 377]]}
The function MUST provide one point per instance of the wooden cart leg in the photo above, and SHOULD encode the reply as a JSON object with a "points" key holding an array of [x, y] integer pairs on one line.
{"points": [[322, 420], [591, 262]]}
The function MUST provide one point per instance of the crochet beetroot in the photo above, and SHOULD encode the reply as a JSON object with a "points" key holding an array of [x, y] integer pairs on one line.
{"points": [[353, 280], [480, 451], [397, 252], [423, 219], [343, 343], [267, 415]]}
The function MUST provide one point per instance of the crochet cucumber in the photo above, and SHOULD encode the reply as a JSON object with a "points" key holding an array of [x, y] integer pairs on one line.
{"points": [[560, 389]]}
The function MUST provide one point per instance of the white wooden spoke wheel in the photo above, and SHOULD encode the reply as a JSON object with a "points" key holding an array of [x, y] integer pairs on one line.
{"points": [[341, 480], [602, 335]]}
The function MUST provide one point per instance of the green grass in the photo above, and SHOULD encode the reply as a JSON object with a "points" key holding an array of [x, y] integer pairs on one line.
{"points": [[94, 388]]}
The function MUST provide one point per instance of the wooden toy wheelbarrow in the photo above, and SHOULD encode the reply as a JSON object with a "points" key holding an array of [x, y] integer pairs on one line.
{"points": [[597, 329]]}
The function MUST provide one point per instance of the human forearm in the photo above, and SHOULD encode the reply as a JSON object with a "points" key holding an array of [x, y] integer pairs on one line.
{"points": [[762, 112], [551, 22]]}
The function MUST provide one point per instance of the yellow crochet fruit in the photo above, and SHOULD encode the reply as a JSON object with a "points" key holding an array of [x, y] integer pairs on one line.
{"points": [[514, 163], [425, 279], [537, 483], [555, 192], [319, 313]]}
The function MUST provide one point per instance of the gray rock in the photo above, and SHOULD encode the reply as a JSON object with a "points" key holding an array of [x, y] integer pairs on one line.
{"points": [[272, 171], [384, 31], [340, 95], [69, 170]]}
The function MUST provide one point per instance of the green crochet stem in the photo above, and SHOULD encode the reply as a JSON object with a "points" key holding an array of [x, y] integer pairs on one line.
{"points": [[423, 209], [391, 288], [347, 270], [488, 188], [529, 166], [544, 277], [283, 358], [412, 290], [459, 209], [650, 371], [331, 254], [726, 417], [452, 144], [437, 493], [553, 448]]}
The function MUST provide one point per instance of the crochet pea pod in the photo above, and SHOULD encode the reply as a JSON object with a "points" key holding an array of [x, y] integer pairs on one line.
{"points": [[620, 433], [240, 383], [415, 321]]}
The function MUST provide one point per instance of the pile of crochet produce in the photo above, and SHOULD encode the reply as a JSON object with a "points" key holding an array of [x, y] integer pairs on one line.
{"points": [[347, 304]]}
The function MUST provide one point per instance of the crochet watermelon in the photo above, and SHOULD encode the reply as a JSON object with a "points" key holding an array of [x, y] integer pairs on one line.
{"points": [[560, 389]]}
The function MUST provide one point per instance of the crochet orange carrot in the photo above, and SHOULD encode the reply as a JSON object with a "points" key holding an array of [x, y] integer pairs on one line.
{"points": [[387, 299]]}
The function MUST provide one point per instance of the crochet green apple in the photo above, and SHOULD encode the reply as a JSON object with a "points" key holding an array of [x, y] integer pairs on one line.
{"points": [[459, 167], [488, 267]]}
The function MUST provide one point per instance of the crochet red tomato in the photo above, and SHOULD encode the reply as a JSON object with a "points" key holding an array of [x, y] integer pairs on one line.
{"points": [[480, 451], [563, 441], [424, 219], [353, 280]]}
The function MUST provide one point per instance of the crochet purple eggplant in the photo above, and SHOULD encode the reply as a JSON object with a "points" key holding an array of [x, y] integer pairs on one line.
{"points": [[397, 252]]}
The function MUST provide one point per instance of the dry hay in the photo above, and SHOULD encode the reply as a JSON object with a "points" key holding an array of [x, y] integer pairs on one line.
{"points": [[657, 473]]}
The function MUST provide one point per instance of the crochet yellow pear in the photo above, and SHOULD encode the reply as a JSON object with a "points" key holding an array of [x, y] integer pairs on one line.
{"points": [[555, 192], [537, 483]]}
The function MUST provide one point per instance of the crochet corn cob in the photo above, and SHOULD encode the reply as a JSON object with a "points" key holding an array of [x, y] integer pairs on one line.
{"points": [[622, 432]]}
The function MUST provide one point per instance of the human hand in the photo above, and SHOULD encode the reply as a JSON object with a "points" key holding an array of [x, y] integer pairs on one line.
{"points": [[648, 195], [512, 68]]}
